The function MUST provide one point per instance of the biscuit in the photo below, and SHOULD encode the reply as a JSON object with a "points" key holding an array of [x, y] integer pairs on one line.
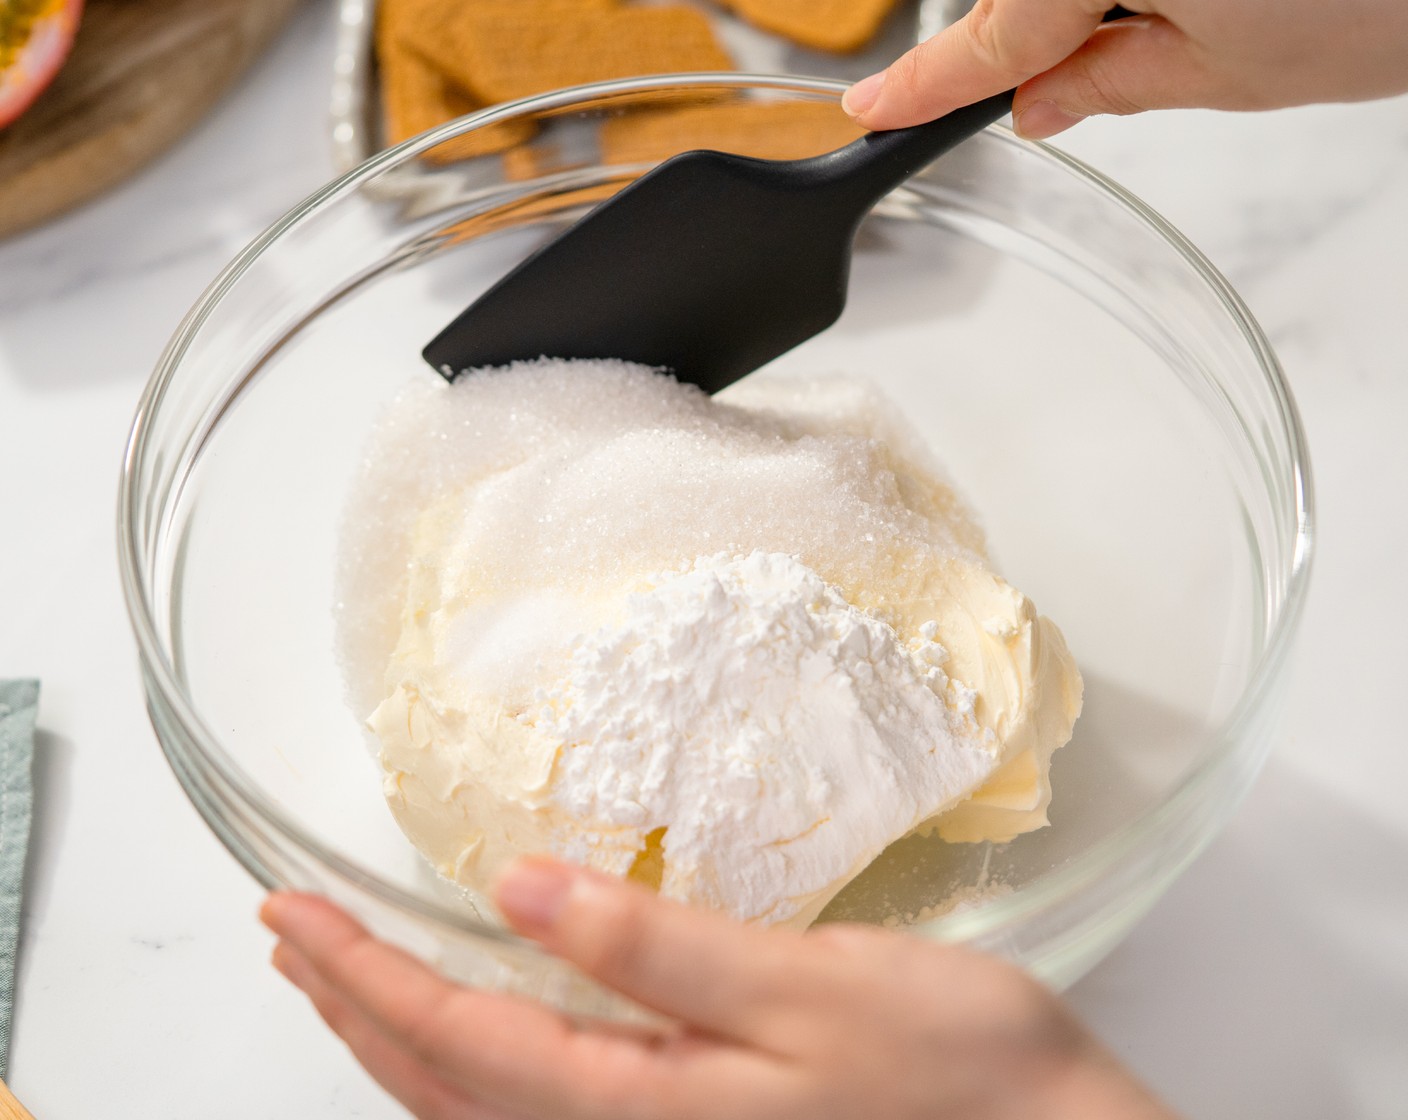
{"points": [[829, 25], [765, 130], [498, 52], [415, 96], [443, 17]]}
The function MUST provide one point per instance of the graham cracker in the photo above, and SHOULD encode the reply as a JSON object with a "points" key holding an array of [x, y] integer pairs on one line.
{"points": [[416, 96], [776, 130], [497, 52], [443, 17], [829, 25]]}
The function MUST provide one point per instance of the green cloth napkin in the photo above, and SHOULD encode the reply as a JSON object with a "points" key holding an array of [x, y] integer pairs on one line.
{"points": [[19, 700]]}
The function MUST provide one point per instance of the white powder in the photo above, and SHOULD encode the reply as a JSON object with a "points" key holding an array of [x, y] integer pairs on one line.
{"points": [[745, 699]]}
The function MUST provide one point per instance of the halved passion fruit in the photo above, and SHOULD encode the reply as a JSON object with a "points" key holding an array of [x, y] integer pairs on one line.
{"points": [[35, 37]]}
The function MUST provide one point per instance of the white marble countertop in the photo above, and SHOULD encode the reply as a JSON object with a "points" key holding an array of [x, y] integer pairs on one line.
{"points": [[1272, 980]]}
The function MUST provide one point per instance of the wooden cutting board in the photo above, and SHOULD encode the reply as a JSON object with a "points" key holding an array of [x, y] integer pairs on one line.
{"points": [[141, 73]]}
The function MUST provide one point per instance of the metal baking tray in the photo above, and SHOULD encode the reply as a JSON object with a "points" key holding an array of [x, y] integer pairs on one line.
{"points": [[356, 108]]}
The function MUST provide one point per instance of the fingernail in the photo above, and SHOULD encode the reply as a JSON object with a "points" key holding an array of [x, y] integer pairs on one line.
{"points": [[532, 893], [861, 96], [288, 914], [271, 913], [1043, 118], [292, 965]]}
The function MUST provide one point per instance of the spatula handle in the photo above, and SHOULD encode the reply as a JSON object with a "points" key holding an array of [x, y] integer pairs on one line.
{"points": [[864, 171]]}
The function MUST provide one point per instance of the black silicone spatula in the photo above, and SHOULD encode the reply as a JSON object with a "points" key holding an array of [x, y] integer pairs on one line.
{"points": [[710, 266]]}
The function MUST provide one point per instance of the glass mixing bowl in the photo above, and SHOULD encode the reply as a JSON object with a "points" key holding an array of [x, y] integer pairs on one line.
{"points": [[1096, 389]]}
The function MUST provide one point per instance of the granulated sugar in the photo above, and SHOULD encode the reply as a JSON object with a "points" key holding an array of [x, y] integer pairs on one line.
{"points": [[593, 472]]}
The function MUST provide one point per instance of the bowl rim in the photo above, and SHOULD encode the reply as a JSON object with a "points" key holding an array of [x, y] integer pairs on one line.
{"points": [[994, 915]]}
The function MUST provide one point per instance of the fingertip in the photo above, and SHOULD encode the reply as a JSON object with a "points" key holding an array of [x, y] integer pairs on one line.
{"points": [[632, 940], [861, 97], [1043, 119], [273, 909], [285, 910], [304, 918], [532, 892], [912, 90]]}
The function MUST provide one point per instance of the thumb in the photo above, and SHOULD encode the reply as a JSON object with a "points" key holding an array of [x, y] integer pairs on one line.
{"points": [[995, 47], [1124, 68], [698, 967]]}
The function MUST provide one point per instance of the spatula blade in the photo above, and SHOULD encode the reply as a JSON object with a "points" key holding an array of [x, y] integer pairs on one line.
{"points": [[710, 266]]}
